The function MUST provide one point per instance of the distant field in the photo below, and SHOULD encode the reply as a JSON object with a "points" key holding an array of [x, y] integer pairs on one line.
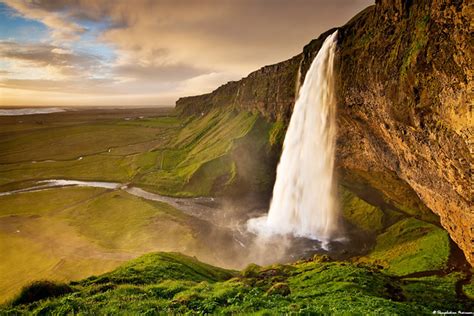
{"points": [[88, 145], [161, 152]]}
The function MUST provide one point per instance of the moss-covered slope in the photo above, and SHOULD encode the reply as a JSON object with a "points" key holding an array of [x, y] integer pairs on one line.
{"points": [[219, 152], [174, 283]]}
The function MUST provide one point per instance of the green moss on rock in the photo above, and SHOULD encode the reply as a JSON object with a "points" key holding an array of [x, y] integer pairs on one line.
{"points": [[279, 288], [410, 246], [251, 271], [360, 213], [468, 289], [277, 133]]}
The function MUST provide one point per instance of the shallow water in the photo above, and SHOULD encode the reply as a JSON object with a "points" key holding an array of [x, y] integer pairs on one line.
{"points": [[92, 184]]}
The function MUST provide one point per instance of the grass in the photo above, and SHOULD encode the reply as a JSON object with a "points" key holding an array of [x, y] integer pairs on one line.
{"points": [[74, 232], [396, 193], [39, 290], [87, 156], [441, 294], [163, 121], [157, 267], [211, 174], [171, 283], [71, 233], [20, 204], [277, 133], [71, 142], [468, 289], [410, 246], [117, 220], [97, 167]]}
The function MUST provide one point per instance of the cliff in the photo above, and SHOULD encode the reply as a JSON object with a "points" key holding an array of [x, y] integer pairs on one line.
{"points": [[404, 111]]}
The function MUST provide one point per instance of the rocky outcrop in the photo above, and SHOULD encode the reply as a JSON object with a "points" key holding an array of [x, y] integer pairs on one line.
{"points": [[270, 90], [404, 107], [405, 72]]}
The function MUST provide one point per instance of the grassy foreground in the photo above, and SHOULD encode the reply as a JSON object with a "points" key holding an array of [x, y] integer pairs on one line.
{"points": [[174, 283]]}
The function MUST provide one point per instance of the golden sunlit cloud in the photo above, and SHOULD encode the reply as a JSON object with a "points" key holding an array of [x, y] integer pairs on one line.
{"points": [[157, 50]]}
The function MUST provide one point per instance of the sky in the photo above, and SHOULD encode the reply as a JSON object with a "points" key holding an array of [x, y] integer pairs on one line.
{"points": [[148, 52]]}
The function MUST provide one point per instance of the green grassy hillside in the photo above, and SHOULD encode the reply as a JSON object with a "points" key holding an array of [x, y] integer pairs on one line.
{"points": [[174, 283], [199, 158]]}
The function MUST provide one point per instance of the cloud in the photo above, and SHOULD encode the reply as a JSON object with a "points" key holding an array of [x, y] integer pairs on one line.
{"points": [[222, 35], [219, 34], [51, 14], [158, 73], [175, 48], [54, 98], [89, 86], [64, 62], [39, 66], [207, 82]]}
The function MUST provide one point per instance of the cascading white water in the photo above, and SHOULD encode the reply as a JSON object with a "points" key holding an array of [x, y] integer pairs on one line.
{"points": [[304, 201]]}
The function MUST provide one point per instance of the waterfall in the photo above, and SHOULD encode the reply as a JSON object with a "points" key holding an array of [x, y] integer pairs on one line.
{"points": [[298, 79], [304, 202]]}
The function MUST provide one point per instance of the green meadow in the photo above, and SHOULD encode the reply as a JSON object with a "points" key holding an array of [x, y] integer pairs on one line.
{"points": [[166, 154]]}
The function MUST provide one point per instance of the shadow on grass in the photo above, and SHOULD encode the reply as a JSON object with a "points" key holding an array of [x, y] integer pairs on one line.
{"points": [[40, 290]]}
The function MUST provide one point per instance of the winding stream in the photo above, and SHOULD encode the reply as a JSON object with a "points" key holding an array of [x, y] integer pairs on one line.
{"points": [[227, 223], [200, 207]]}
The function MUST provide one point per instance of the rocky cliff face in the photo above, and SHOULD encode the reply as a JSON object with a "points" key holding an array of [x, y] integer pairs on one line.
{"points": [[404, 109]]}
